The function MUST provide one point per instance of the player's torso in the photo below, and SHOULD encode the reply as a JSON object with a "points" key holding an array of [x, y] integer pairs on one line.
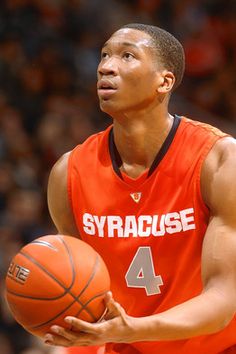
{"points": [[150, 230]]}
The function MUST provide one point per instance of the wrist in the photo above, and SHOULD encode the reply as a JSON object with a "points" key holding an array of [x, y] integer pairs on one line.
{"points": [[141, 329]]}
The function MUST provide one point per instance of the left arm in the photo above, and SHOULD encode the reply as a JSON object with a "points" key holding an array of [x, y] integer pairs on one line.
{"points": [[204, 314]]}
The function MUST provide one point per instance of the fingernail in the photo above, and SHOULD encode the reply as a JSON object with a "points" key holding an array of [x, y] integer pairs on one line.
{"points": [[48, 337], [48, 342], [55, 329], [68, 320]]}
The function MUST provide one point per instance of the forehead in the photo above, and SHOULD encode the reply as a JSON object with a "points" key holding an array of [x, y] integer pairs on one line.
{"points": [[130, 37]]}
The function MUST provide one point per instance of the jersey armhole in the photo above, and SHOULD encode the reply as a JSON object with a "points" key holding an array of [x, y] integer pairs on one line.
{"points": [[207, 149], [69, 176]]}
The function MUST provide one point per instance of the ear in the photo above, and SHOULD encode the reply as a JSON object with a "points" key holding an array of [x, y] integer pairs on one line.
{"points": [[166, 82]]}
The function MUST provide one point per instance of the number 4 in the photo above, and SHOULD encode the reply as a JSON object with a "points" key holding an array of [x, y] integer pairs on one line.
{"points": [[141, 273]]}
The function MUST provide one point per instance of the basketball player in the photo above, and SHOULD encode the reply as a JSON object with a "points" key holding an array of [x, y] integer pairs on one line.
{"points": [[155, 195]]}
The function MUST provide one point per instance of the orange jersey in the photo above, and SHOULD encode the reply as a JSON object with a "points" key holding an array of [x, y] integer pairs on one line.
{"points": [[148, 230]]}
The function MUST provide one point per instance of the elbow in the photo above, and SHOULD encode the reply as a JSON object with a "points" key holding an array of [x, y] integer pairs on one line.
{"points": [[222, 321], [222, 309], [225, 321]]}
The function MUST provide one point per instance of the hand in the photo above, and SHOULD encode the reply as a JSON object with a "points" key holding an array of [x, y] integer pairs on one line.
{"points": [[116, 327]]}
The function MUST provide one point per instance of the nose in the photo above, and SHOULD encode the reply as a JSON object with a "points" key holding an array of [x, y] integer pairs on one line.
{"points": [[108, 67]]}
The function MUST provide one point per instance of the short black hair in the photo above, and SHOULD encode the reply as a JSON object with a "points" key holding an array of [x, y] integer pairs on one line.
{"points": [[168, 49]]}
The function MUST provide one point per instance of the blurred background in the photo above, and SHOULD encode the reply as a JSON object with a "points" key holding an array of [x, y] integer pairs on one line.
{"points": [[49, 51]]}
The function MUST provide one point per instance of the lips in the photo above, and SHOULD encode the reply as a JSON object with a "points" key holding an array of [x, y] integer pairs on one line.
{"points": [[106, 89], [105, 84]]}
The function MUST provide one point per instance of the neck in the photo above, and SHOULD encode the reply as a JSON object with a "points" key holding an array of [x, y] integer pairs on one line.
{"points": [[138, 139]]}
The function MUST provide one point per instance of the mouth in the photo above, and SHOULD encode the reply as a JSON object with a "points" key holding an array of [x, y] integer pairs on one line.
{"points": [[106, 88], [105, 84]]}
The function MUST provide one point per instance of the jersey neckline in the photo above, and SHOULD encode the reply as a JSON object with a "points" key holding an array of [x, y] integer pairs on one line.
{"points": [[116, 159]]}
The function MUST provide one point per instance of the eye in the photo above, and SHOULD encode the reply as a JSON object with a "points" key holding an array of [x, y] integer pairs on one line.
{"points": [[128, 56], [104, 55]]}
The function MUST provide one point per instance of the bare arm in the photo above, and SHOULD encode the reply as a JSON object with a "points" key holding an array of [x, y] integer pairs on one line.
{"points": [[204, 314], [58, 202], [212, 310]]}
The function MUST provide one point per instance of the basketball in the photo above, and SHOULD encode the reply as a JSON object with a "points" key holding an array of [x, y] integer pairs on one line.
{"points": [[53, 277]]}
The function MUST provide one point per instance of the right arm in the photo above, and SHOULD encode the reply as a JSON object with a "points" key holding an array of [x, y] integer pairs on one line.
{"points": [[58, 201]]}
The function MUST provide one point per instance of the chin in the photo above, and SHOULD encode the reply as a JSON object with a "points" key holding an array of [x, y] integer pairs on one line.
{"points": [[108, 108]]}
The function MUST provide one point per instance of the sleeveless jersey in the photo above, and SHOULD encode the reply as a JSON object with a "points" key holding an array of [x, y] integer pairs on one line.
{"points": [[148, 230]]}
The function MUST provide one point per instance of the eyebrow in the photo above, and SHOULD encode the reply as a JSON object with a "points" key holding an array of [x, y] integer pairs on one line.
{"points": [[126, 44]]}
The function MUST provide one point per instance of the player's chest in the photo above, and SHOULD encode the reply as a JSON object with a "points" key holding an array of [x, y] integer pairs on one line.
{"points": [[155, 208]]}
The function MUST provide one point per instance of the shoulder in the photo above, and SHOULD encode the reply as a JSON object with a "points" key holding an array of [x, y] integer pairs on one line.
{"points": [[58, 175], [84, 156], [222, 153], [58, 201], [204, 129], [219, 174], [57, 182], [60, 167]]}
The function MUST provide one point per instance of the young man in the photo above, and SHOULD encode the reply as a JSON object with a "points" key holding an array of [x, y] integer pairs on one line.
{"points": [[155, 195]]}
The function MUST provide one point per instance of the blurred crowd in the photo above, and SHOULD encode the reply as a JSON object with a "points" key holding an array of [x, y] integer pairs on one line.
{"points": [[49, 52]]}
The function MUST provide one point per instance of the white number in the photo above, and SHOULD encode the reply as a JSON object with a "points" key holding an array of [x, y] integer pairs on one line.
{"points": [[141, 273]]}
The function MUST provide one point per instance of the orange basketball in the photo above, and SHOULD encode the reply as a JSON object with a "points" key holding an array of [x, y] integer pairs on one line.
{"points": [[53, 277]]}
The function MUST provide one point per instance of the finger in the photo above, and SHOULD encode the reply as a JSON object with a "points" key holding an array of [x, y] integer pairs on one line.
{"points": [[108, 297], [52, 339], [66, 338], [81, 325], [62, 342], [63, 332], [114, 309]]}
